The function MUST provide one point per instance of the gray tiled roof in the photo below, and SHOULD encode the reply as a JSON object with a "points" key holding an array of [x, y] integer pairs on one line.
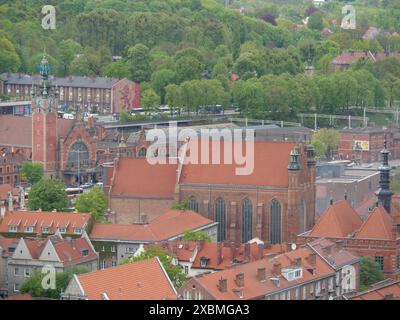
{"points": [[72, 81]]}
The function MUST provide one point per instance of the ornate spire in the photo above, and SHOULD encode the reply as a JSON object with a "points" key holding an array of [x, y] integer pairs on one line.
{"points": [[294, 164], [384, 194]]}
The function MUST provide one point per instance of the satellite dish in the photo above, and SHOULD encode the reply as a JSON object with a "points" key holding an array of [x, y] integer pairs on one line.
{"points": [[293, 246]]}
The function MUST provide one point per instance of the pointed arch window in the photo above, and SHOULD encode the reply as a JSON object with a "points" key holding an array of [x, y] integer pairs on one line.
{"points": [[302, 217], [275, 222], [220, 217], [193, 204], [247, 220]]}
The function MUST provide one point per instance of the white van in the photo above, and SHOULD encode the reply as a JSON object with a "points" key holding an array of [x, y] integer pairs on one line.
{"points": [[68, 116]]}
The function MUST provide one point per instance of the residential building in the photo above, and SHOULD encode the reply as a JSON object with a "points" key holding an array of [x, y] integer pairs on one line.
{"points": [[115, 242], [143, 280], [301, 274], [204, 257], [32, 254], [36, 223], [388, 289], [345, 59], [94, 95]]}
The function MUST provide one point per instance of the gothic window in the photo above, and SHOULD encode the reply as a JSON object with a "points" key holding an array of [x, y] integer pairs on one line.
{"points": [[275, 222], [302, 217], [247, 220], [78, 153], [142, 152], [220, 217], [193, 204]]}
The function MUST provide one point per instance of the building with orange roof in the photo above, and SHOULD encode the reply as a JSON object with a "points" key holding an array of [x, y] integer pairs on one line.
{"points": [[41, 223], [377, 237], [115, 242], [274, 202], [29, 254], [204, 257], [385, 290], [301, 274], [142, 280]]}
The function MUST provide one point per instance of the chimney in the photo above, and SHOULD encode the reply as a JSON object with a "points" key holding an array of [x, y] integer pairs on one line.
{"points": [[339, 244], [260, 251], [219, 253], [276, 282], [247, 250], [345, 196], [277, 266], [240, 279], [261, 274], [312, 258], [331, 202], [199, 244], [223, 285], [143, 218]]}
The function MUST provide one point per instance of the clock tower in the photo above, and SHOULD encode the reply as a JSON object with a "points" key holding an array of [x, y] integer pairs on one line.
{"points": [[44, 121]]}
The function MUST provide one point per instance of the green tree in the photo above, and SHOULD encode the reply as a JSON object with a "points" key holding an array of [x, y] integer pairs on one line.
{"points": [[329, 137], [187, 68], [160, 79], [32, 172], [320, 148], [66, 54], [150, 100], [369, 273], [183, 205], [315, 21], [9, 59], [118, 70], [94, 202], [175, 273], [33, 286], [138, 60], [196, 235], [48, 195]]}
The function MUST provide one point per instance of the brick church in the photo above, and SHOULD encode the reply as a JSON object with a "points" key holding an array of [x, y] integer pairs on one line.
{"points": [[274, 203], [376, 236]]}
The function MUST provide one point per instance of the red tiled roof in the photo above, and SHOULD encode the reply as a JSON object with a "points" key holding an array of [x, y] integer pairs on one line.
{"points": [[5, 243], [253, 287], [377, 226], [136, 177], [380, 293], [37, 220], [169, 224], [17, 130], [339, 220], [143, 280], [337, 257], [5, 189], [367, 202], [271, 160], [71, 251]]}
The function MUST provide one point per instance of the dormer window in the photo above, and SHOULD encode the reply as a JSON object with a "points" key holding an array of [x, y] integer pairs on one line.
{"points": [[62, 230], [292, 274], [12, 229], [78, 230], [29, 229], [85, 252], [45, 230], [203, 262]]}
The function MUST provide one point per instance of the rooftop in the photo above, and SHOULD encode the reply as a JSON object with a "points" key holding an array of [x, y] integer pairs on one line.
{"points": [[143, 280]]}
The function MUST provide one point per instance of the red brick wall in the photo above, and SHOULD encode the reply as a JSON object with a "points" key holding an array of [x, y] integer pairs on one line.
{"points": [[125, 96]]}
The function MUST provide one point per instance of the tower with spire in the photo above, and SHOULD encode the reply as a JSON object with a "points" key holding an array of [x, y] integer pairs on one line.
{"points": [[44, 120], [384, 194]]}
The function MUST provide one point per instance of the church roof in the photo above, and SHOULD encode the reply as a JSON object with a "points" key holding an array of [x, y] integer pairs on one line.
{"points": [[339, 220], [377, 226]]}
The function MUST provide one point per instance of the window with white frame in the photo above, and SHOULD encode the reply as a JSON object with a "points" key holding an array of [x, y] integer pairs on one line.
{"points": [[304, 292], [16, 271], [186, 295], [12, 229], [27, 272], [199, 295], [45, 229], [297, 293], [28, 229], [186, 269], [78, 230], [113, 249], [282, 296], [62, 230], [16, 287], [288, 295], [130, 250], [103, 264], [114, 263]]}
